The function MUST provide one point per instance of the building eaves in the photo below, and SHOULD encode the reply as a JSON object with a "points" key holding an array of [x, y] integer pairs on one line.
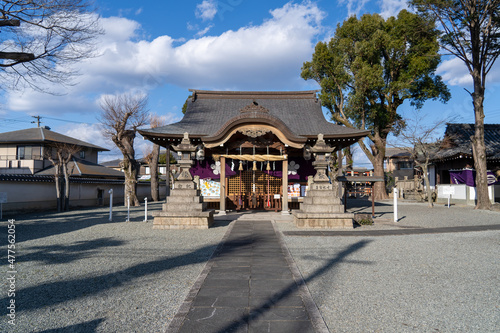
{"points": [[42, 135], [208, 111]]}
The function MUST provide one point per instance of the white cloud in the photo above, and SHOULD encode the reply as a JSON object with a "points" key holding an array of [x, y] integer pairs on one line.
{"points": [[455, 73], [258, 57], [206, 10], [89, 133], [390, 8], [204, 31], [354, 7]]}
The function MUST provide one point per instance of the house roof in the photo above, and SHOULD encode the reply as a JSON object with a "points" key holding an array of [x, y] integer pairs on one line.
{"points": [[43, 135], [84, 168], [296, 113], [457, 141], [112, 164], [397, 153]]}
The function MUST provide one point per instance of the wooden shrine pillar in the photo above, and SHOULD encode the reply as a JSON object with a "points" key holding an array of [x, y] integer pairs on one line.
{"points": [[168, 171], [222, 204], [284, 179]]}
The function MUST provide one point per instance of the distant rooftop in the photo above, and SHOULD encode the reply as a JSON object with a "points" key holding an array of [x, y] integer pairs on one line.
{"points": [[43, 135], [457, 141]]}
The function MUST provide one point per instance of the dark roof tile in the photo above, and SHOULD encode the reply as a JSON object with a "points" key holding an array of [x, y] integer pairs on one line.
{"points": [[208, 111], [43, 135]]}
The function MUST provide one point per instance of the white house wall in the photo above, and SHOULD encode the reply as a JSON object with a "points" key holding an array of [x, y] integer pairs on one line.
{"points": [[22, 196]]}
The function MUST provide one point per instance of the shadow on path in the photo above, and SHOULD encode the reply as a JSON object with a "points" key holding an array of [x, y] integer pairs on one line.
{"points": [[256, 313], [52, 293]]}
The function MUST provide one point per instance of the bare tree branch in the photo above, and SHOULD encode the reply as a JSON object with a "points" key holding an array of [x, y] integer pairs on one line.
{"points": [[121, 116], [42, 39]]}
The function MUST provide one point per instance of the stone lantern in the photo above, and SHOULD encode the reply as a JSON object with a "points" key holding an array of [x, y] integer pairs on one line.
{"points": [[184, 208], [322, 207]]}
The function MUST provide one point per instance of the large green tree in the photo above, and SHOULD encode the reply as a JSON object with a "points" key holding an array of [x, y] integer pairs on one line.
{"points": [[471, 32], [369, 68]]}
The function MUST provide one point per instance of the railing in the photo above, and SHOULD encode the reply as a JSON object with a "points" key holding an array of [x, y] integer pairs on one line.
{"points": [[16, 157]]}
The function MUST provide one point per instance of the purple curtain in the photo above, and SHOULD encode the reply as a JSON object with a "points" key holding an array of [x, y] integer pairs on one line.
{"points": [[207, 168], [468, 177]]}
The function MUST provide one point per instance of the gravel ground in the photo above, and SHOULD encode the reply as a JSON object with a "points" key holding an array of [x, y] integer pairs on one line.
{"points": [[413, 214], [77, 272], [414, 283]]}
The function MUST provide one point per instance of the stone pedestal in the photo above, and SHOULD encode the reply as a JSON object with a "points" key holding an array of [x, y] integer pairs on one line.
{"points": [[184, 208], [322, 207]]}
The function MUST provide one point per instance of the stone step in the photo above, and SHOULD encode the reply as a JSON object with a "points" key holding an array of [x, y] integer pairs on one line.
{"points": [[330, 200], [177, 192], [184, 199], [183, 207], [174, 214], [302, 215], [322, 208], [320, 193]]}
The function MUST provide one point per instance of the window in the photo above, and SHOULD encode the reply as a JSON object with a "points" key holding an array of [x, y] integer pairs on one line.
{"points": [[28, 152], [405, 165], [20, 153], [82, 154]]}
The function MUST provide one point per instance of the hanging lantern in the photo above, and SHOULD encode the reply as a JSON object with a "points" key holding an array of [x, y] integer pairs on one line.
{"points": [[200, 153], [307, 152], [254, 162]]}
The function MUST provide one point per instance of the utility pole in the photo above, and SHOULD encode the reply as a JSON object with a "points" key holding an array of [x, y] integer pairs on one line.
{"points": [[37, 120]]}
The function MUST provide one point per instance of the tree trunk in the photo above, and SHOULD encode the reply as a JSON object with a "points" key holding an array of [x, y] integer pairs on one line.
{"points": [[479, 147], [57, 179], [378, 152], [153, 170], [427, 184], [66, 187], [378, 171], [130, 170], [348, 158]]}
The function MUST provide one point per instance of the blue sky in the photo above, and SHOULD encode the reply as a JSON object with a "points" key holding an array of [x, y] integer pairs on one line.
{"points": [[164, 48]]}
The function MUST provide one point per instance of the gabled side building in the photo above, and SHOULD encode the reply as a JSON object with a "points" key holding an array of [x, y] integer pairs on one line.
{"points": [[453, 163], [27, 175]]}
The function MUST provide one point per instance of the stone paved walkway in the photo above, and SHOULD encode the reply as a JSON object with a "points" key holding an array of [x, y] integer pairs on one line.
{"points": [[250, 285]]}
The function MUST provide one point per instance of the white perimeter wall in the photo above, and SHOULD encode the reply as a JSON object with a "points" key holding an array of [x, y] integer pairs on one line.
{"points": [[42, 195]]}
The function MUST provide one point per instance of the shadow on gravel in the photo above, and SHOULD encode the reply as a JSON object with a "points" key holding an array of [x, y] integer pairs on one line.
{"points": [[52, 293], [86, 327], [61, 254], [256, 313], [47, 225]]}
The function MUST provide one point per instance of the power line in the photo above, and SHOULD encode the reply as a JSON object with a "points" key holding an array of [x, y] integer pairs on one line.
{"points": [[69, 121]]}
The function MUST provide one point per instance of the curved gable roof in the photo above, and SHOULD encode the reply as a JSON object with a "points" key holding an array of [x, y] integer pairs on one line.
{"points": [[208, 112]]}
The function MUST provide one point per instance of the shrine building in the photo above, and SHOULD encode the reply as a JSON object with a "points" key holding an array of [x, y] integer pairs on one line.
{"points": [[242, 150]]}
